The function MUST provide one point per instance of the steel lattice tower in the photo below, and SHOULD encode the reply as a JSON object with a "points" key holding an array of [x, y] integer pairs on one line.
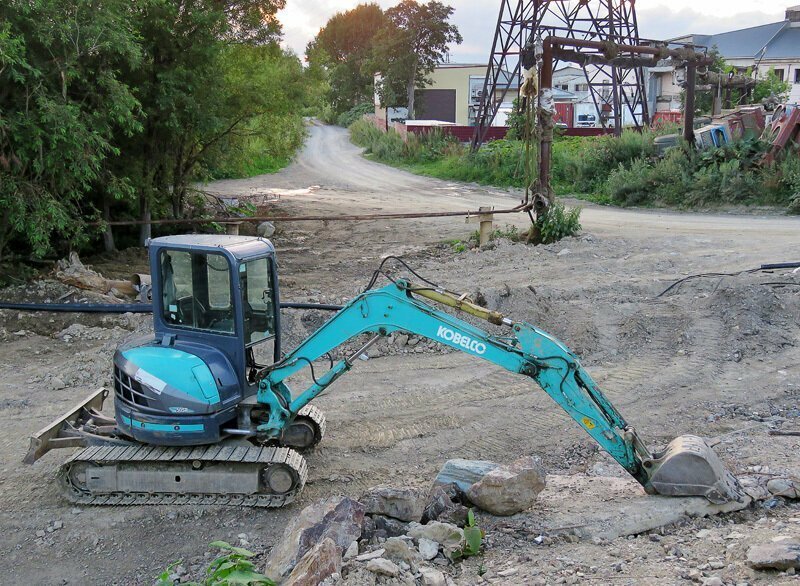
{"points": [[614, 90]]}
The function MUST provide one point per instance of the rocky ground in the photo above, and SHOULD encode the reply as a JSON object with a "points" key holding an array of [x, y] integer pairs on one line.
{"points": [[715, 357]]}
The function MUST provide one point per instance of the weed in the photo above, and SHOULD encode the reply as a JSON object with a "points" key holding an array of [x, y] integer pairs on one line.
{"points": [[473, 539], [232, 568]]}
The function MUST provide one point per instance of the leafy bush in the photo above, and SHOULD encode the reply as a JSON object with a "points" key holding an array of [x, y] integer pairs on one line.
{"points": [[733, 174], [345, 119], [555, 223]]}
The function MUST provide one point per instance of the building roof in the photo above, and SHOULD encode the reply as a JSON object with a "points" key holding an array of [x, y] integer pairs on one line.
{"points": [[776, 40], [784, 45]]}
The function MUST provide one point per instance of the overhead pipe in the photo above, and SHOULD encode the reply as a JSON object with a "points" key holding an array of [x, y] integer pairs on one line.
{"points": [[553, 47], [131, 307]]}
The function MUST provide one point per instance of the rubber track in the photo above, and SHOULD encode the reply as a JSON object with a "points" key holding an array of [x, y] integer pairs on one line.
{"points": [[250, 455], [318, 417]]}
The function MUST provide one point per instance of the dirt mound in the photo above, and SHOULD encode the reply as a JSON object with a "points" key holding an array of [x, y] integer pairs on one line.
{"points": [[756, 319]]}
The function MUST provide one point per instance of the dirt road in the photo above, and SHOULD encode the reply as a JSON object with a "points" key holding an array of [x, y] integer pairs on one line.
{"points": [[716, 356]]}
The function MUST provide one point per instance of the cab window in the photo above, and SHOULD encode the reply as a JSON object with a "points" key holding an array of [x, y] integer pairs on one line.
{"points": [[196, 291], [257, 300]]}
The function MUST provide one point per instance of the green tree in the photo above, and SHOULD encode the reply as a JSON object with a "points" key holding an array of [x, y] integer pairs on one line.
{"points": [[187, 107], [343, 48], [771, 85], [62, 102], [408, 47], [118, 106]]}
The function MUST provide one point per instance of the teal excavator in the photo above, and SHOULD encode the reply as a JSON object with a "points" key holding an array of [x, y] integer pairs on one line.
{"points": [[203, 413]]}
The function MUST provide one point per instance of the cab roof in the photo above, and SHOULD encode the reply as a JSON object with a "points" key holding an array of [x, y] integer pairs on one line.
{"points": [[241, 247]]}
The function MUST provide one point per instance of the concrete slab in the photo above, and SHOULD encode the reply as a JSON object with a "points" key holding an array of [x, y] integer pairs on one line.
{"points": [[601, 507]]}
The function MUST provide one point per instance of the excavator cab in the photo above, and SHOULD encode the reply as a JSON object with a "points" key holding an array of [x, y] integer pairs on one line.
{"points": [[215, 302]]}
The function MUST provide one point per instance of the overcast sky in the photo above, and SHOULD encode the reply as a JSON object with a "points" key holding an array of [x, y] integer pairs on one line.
{"points": [[476, 19]]}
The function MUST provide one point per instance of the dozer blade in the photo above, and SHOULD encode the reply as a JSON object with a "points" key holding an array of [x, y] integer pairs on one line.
{"points": [[65, 432], [689, 467]]}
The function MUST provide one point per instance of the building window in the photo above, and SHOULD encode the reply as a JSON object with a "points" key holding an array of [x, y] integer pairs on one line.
{"points": [[797, 75], [582, 87], [564, 87], [779, 74]]}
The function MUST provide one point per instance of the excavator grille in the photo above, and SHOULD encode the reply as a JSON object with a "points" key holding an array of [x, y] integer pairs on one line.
{"points": [[128, 389]]}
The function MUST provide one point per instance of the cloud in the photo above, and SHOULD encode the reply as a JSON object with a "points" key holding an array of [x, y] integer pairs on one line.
{"points": [[476, 20]]}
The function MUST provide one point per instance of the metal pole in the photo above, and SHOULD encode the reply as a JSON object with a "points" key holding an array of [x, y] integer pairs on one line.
{"points": [[545, 123]]}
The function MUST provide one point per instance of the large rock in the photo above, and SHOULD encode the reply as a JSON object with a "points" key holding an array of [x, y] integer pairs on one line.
{"points": [[399, 549], [775, 556], [338, 519], [406, 504], [605, 508], [510, 489], [443, 533], [388, 527], [319, 562], [463, 473], [440, 507], [785, 487], [384, 567], [432, 577]]}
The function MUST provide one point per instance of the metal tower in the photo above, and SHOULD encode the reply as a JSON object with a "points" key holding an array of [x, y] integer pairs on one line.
{"points": [[618, 93]]}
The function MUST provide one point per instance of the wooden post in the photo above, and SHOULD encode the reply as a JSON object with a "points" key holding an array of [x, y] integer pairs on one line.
{"points": [[485, 221]]}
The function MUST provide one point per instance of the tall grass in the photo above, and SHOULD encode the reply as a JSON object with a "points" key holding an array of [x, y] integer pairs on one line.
{"points": [[623, 171]]}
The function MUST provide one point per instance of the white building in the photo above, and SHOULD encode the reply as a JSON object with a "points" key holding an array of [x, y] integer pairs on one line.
{"points": [[770, 46], [570, 85]]}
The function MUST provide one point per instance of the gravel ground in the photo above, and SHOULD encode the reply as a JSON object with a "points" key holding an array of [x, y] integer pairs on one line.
{"points": [[715, 357]]}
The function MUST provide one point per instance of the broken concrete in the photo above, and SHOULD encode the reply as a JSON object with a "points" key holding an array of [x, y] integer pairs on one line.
{"points": [[319, 562], [509, 489], [781, 555], [605, 508], [428, 548], [406, 504], [432, 577]]}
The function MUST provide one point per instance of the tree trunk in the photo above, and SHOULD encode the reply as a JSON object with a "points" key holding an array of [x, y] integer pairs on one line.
{"points": [[146, 230], [410, 90], [5, 231], [108, 233]]}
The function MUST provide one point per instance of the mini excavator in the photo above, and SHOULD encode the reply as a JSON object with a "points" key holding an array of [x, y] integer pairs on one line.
{"points": [[203, 413]]}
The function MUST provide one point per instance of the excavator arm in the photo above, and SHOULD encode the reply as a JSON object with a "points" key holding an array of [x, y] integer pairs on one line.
{"points": [[687, 467]]}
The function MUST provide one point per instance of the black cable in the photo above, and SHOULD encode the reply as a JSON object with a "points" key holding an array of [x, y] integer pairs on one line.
{"points": [[311, 364], [379, 271], [748, 271]]}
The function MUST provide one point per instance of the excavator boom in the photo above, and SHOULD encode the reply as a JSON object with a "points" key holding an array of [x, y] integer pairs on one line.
{"points": [[686, 467]]}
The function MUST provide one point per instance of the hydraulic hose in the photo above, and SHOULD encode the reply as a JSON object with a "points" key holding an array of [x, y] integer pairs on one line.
{"points": [[131, 307]]}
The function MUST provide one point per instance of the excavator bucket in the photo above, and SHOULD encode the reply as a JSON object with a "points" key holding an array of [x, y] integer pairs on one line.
{"points": [[689, 467]]}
